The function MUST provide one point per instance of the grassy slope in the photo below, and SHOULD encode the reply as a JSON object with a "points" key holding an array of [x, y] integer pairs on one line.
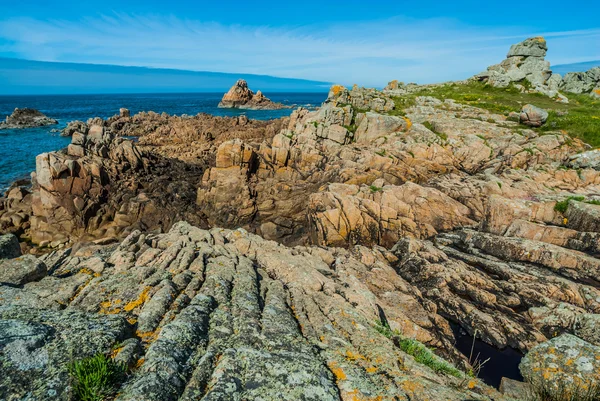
{"points": [[582, 119]]}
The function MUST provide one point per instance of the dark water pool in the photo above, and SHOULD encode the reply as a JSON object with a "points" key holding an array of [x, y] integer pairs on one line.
{"points": [[502, 363]]}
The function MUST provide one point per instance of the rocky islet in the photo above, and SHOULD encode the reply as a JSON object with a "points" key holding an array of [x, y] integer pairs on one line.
{"points": [[346, 231]]}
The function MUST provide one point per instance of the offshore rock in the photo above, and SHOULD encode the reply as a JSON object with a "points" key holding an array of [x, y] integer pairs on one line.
{"points": [[241, 97], [26, 118]]}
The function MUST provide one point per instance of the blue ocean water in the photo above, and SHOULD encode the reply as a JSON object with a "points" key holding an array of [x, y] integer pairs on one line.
{"points": [[18, 148]]}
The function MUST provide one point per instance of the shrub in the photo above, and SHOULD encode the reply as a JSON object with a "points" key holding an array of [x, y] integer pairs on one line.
{"points": [[564, 204], [95, 378]]}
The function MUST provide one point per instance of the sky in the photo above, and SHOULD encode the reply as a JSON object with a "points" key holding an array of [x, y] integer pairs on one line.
{"points": [[368, 43]]}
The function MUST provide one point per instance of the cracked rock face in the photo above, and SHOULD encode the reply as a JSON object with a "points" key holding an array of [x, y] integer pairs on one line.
{"points": [[219, 315]]}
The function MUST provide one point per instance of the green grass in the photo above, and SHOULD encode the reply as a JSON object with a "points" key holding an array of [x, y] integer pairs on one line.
{"points": [[418, 351], [95, 378], [564, 204], [373, 188], [582, 119]]}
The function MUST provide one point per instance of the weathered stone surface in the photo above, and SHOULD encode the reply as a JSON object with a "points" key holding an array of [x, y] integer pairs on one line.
{"points": [[231, 316], [26, 118], [533, 116], [21, 270], [582, 82], [565, 361], [535, 47], [9, 246]]}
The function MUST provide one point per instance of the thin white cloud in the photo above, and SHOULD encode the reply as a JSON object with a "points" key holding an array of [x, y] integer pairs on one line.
{"points": [[368, 53]]}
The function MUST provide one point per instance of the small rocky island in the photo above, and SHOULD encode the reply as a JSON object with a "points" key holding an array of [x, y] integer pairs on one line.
{"points": [[241, 97], [26, 118]]}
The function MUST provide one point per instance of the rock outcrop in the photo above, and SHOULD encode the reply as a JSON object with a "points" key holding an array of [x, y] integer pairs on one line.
{"points": [[26, 118], [241, 97], [582, 82], [224, 314], [525, 66]]}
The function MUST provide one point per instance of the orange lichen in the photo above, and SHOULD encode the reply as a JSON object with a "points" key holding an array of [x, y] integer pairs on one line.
{"points": [[139, 301], [371, 369], [336, 89], [597, 91], [351, 356], [408, 123], [337, 371], [471, 385], [139, 363], [410, 386]]}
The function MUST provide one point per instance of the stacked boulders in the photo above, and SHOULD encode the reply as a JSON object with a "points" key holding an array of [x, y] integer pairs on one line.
{"points": [[525, 66]]}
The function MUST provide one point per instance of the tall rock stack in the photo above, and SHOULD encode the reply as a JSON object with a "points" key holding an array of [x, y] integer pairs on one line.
{"points": [[525, 65]]}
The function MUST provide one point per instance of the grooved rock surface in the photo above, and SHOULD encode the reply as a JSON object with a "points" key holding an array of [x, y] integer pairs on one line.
{"points": [[221, 315]]}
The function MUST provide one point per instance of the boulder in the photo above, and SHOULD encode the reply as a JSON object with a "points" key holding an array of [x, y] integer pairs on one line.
{"points": [[533, 116], [123, 112], [9, 246], [532, 47], [21, 270], [562, 363], [26, 118], [74, 127]]}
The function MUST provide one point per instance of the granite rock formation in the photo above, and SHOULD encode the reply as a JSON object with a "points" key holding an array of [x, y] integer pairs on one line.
{"points": [[525, 65], [241, 97], [26, 118]]}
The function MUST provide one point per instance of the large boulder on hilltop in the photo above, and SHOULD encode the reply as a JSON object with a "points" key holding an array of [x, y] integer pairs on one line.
{"points": [[532, 47], [241, 97], [525, 62], [26, 118]]}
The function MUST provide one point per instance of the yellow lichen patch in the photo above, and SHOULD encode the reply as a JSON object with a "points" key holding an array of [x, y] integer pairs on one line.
{"points": [[148, 336], [132, 320], [336, 89], [351, 356], [410, 386], [565, 221], [337, 371], [540, 39], [85, 270], [115, 352], [139, 301], [597, 91], [471, 385], [371, 369], [357, 395], [408, 123], [139, 363]]}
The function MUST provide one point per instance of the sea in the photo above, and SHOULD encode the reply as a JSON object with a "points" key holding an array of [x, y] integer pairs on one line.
{"points": [[18, 148]]}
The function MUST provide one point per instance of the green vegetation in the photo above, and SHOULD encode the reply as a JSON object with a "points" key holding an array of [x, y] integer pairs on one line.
{"points": [[95, 378], [352, 128], [580, 118], [419, 351], [380, 152], [564, 204], [430, 127], [374, 188], [551, 391]]}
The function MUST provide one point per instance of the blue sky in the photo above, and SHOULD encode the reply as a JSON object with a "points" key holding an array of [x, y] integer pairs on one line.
{"points": [[347, 42]]}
